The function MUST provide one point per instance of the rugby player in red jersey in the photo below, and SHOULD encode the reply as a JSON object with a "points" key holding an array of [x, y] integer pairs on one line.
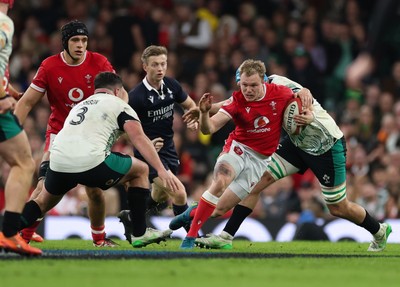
{"points": [[67, 78], [257, 111]]}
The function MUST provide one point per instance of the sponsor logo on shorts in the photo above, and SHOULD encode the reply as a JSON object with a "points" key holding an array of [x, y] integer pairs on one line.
{"points": [[238, 150], [111, 181]]}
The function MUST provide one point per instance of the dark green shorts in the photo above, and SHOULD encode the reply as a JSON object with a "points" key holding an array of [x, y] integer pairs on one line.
{"points": [[9, 126]]}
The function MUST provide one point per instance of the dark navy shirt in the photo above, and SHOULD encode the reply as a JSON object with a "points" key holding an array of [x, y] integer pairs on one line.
{"points": [[155, 110]]}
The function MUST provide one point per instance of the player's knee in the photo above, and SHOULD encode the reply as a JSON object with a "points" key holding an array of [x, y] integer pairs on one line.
{"points": [[335, 199], [180, 196], [30, 165], [143, 170], [139, 171], [25, 163], [338, 209]]}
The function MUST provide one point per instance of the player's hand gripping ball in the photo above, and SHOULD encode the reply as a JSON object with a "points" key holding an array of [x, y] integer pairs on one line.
{"points": [[294, 107]]}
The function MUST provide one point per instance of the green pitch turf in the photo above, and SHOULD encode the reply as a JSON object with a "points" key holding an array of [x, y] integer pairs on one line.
{"points": [[75, 263]]}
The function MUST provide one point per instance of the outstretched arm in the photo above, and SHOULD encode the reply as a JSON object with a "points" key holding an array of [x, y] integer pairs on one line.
{"points": [[210, 125], [189, 105], [193, 114]]}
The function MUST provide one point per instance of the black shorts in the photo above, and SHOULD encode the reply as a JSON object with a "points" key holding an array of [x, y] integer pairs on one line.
{"points": [[103, 176], [329, 168]]}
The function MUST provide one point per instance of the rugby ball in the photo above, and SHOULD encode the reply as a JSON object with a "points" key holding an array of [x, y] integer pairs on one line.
{"points": [[294, 107]]}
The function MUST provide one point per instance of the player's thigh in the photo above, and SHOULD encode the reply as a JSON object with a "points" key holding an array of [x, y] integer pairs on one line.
{"points": [[330, 167], [16, 151], [59, 183], [14, 144], [112, 171], [127, 166], [286, 161], [254, 167]]}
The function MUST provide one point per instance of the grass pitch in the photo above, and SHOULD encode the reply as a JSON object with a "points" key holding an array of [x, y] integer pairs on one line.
{"points": [[75, 263]]}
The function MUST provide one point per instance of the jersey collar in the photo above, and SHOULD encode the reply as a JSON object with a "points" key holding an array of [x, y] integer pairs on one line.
{"points": [[63, 59], [150, 88], [265, 92]]}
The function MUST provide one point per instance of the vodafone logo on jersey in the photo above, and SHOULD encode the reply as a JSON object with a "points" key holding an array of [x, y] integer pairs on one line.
{"points": [[75, 94], [261, 122], [260, 125]]}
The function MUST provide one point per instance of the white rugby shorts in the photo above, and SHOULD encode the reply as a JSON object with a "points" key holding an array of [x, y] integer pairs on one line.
{"points": [[249, 166]]}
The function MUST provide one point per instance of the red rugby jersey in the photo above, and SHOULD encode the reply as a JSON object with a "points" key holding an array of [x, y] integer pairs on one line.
{"points": [[66, 85], [258, 124]]}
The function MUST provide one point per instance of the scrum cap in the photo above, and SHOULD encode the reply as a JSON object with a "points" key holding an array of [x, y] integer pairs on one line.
{"points": [[9, 2], [71, 29]]}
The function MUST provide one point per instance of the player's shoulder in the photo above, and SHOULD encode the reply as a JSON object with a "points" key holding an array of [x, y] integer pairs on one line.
{"points": [[137, 94], [95, 56], [237, 94], [138, 89], [95, 59], [106, 100], [172, 83], [277, 88], [51, 61], [236, 97]]}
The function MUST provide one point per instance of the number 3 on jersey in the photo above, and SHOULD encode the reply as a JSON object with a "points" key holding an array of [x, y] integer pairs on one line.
{"points": [[80, 115]]}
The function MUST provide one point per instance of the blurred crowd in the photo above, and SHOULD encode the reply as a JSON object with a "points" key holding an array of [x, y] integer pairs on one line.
{"points": [[310, 42]]}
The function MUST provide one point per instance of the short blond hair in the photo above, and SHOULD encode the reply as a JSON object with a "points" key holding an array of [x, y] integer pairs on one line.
{"points": [[153, 50], [250, 67]]}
